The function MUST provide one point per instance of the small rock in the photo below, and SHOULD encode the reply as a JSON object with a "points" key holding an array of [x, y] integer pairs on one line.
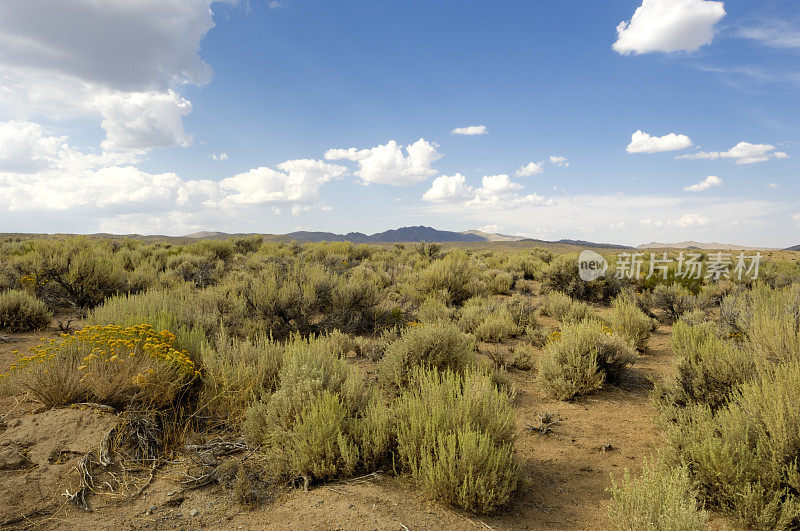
{"points": [[152, 509], [193, 512], [606, 448]]}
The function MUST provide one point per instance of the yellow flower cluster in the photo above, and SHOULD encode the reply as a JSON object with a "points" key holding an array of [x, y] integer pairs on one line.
{"points": [[30, 280], [609, 331], [112, 344]]}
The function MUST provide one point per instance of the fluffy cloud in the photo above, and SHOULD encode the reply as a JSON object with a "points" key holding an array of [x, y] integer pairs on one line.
{"points": [[25, 147], [42, 173], [531, 168], [669, 26], [387, 164], [495, 191], [115, 61], [446, 189], [500, 191], [742, 153], [705, 184], [219, 156], [691, 220], [641, 142], [120, 188], [470, 130], [131, 46], [559, 161], [144, 120], [296, 181]]}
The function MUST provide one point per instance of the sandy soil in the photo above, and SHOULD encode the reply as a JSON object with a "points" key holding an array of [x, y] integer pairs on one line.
{"points": [[565, 473]]}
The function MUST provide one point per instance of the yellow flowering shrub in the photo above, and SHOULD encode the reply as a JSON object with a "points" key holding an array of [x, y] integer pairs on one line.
{"points": [[107, 364]]}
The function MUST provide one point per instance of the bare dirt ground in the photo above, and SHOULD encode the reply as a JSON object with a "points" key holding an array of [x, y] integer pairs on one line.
{"points": [[565, 473]]}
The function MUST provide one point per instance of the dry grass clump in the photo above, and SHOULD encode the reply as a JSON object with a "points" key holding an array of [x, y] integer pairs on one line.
{"points": [[581, 358], [441, 346], [630, 322], [662, 498], [454, 435], [109, 365], [562, 307], [21, 312]]}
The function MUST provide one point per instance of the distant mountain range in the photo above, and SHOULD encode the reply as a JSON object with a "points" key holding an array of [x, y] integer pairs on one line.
{"points": [[702, 246], [403, 234], [422, 233]]}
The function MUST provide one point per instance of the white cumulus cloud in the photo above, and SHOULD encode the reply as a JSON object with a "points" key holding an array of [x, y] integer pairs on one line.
{"points": [[446, 189], [113, 61], [669, 26], [26, 147], [742, 153], [641, 142], [705, 184], [470, 130], [144, 120], [293, 181], [559, 161], [691, 220], [388, 164], [531, 168]]}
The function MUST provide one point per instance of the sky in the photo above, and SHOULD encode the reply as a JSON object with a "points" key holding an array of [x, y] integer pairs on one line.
{"points": [[625, 121]]}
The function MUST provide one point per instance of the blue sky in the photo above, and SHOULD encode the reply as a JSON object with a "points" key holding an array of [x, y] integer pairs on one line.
{"points": [[171, 116]]}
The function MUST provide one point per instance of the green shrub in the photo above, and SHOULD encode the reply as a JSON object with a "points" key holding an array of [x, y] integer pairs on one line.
{"points": [[433, 310], [524, 357], [581, 358], [199, 270], [562, 274], [744, 455], [309, 425], [453, 275], [454, 435], [185, 313], [560, 306], [674, 300], [21, 312], [76, 272], [661, 499], [772, 322], [631, 323], [499, 282], [709, 368], [235, 373], [440, 346], [472, 313], [523, 311], [497, 326]]}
